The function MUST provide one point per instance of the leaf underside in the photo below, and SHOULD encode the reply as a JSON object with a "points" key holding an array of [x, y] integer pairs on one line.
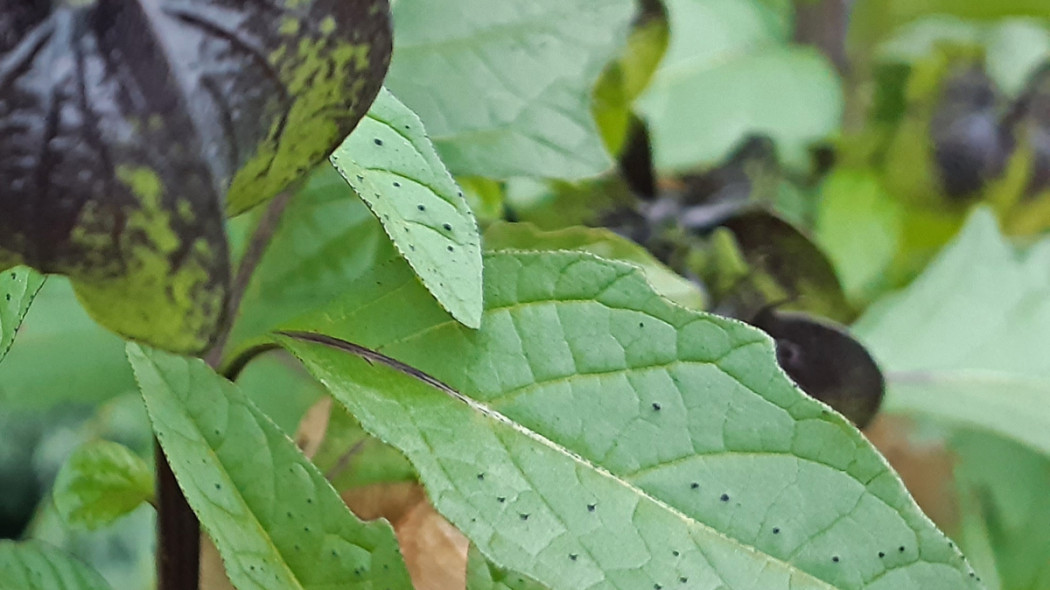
{"points": [[611, 439], [125, 123]]}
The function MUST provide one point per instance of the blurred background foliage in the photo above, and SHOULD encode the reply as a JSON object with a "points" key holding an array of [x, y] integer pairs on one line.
{"points": [[883, 164]]}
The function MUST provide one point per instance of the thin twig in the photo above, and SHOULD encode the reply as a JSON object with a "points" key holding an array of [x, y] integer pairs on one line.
{"points": [[232, 369], [249, 262]]}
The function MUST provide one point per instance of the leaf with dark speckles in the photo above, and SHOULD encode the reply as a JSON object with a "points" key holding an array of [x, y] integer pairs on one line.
{"points": [[275, 519], [124, 124], [393, 167], [18, 287]]}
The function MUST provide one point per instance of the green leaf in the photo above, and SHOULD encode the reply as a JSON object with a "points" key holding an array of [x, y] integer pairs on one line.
{"points": [[275, 520], [965, 341], [625, 78], [100, 482], [727, 74], [507, 91], [326, 238], [152, 117], [785, 264], [18, 287], [591, 417], [1008, 484], [859, 227], [32, 565], [391, 164], [874, 20], [484, 575], [601, 242]]}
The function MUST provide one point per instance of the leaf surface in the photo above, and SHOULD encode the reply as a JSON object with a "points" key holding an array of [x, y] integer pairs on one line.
{"points": [[505, 89], [964, 342], [392, 166], [128, 124], [32, 565], [601, 242], [100, 482], [276, 521], [728, 73], [589, 417], [18, 288], [327, 237]]}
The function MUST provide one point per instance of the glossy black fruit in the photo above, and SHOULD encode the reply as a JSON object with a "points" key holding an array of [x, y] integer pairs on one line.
{"points": [[826, 363]]}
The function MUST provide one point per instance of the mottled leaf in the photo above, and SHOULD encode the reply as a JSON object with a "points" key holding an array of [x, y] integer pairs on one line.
{"points": [[505, 88], [125, 123], [100, 482], [391, 164], [728, 73], [275, 520], [32, 565], [965, 342], [18, 288], [592, 418]]}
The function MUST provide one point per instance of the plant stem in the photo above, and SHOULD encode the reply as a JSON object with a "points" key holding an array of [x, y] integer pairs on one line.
{"points": [[252, 256], [178, 530]]}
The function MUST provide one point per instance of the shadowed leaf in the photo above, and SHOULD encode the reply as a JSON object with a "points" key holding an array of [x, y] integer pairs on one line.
{"points": [[33, 565]]}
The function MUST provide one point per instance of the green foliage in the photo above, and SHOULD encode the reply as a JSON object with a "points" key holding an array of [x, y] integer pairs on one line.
{"points": [[562, 398], [18, 287], [601, 242], [100, 482], [859, 227], [506, 92], [36, 566], [483, 575], [675, 426], [275, 520], [327, 237], [965, 341], [62, 357], [392, 166], [713, 86]]}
